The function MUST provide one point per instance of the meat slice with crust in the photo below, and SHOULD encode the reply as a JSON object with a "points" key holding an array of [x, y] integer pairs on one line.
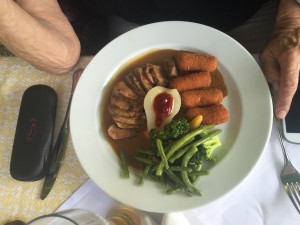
{"points": [[125, 103], [142, 78], [127, 126], [113, 110], [135, 84], [158, 74], [137, 120], [121, 88], [117, 133], [170, 68]]}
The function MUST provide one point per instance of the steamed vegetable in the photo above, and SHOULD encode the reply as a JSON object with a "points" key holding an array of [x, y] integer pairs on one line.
{"points": [[175, 157], [172, 131], [124, 165]]}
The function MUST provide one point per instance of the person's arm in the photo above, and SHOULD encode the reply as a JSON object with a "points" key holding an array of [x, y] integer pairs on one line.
{"points": [[280, 59], [38, 32]]}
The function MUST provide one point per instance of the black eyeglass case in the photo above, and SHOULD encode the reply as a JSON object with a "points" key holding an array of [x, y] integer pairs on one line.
{"points": [[34, 134]]}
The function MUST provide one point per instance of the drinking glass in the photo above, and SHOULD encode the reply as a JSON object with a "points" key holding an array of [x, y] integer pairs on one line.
{"points": [[117, 216]]}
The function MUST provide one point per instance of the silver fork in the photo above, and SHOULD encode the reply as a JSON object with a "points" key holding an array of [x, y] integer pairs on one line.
{"points": [[290, 177]]}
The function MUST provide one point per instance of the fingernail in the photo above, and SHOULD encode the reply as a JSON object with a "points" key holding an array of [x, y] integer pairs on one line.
{"points": [[281, 114]]}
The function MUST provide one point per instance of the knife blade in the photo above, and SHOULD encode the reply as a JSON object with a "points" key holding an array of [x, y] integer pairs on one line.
{"points": [[58, 152]]}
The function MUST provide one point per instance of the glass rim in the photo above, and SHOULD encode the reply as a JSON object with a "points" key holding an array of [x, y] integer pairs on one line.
{"points": [[53, 215]]}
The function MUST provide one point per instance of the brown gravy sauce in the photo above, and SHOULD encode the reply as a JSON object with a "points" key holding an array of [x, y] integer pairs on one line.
{"points": [[130, 146]]}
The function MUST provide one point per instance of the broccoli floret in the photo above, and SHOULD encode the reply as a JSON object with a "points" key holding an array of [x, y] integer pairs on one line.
{"points": [[209, 146], [152, 137], [205, 151], [175, 129], [196, 160]]}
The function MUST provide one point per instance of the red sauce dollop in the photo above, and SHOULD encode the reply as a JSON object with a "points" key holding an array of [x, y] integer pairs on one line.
{"points": [[163, 105]]}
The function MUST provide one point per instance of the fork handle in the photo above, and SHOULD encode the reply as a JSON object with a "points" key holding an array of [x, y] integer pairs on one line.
{"points": [[278, 128], [279, 133]]}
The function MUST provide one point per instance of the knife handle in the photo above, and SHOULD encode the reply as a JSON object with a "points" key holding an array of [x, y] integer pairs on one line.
{"points": [[62, 139], [59, 150]]}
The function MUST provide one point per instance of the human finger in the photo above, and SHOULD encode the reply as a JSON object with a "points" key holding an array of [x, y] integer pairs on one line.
{"points": [[270, 67], [288, 83]]}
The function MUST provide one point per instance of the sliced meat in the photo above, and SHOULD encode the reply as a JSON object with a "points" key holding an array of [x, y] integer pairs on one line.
{"points": [[127, 126], [129, 120], [120, 101], [142, 78], [113, 110], [148, 71], [158, 74], [126, 103], [134, 83], [170, 68], [121, 88], [118, 133]]}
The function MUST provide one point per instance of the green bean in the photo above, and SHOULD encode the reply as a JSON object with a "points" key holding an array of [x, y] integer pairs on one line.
{"points": [[198, 173], [162, 153], [160, 166], [144, 175], [180, 153], [146, 152], [180, 168], [163, 182], [194, 178], [173, 190], [173, 177], [184, 174], [189, 193], [153, 168], [156, 178], [181, 142], [144, 160], [124, 164], [204, 139]]}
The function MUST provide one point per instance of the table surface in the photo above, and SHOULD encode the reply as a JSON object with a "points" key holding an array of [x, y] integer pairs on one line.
{"points": [[20, 200], [259, 199]]}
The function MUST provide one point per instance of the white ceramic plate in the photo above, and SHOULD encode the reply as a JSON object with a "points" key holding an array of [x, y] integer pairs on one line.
{"points": [[244, 136]]}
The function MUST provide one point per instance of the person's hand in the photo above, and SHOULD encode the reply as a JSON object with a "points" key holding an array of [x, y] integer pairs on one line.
{"points": [[280, 59]]}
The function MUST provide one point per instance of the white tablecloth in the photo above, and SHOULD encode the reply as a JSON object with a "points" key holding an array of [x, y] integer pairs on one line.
{"points": [[259, 200]]}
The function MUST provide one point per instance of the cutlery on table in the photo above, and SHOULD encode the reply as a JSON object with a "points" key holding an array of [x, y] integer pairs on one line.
{"points": [[59, 149], [290, 177]]}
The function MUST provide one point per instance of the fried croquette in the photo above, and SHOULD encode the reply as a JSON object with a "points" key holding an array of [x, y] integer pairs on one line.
{"points": [[215, 114], [200, 98], [187, 61], [191, 81]]}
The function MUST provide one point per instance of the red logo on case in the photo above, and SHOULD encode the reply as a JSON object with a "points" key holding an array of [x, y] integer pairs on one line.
{"points": [[32, 128]]}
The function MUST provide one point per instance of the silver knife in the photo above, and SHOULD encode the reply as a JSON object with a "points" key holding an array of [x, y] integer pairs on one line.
{"points": [[59, 149]]}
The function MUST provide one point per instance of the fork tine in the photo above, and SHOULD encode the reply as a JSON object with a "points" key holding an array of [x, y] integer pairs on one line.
{"points": [[297, 188], [290, 189], [296, 192]]}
